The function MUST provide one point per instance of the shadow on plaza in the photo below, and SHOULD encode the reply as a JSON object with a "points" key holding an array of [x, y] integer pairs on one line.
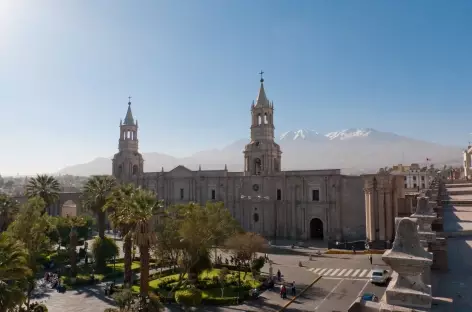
{"points": [[287, 251], [95, 291]]}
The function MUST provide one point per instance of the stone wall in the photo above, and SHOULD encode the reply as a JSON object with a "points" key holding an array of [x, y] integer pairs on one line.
{"points": [[353, 214]]}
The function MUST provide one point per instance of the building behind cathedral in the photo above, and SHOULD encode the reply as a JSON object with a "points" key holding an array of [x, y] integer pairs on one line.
{"points": [[302, 204]]}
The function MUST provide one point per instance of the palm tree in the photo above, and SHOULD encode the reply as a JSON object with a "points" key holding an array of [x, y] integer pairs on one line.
{"points": [[13, 273], [44, 186], [94, 198], [145, 206], [119, 205], [8, 209]]}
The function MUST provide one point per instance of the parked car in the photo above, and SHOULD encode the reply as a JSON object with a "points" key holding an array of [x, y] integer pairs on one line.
{"points": [[370, 297], [379, 276]]}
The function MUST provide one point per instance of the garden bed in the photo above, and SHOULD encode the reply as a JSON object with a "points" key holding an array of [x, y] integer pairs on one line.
{"points": [[209, 285], [83, 274]]}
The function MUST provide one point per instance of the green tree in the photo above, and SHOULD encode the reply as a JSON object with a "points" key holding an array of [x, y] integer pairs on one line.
{"points": [[31, 228], [118, 206], [221, 224], [8, 210], [245, 246], [144, 207], [104, 249], [13, 273], [94, 198], [44, 186]]}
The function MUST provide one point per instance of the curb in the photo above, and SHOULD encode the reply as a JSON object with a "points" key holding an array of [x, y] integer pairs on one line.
{"points": [[301, 293], [349, 252]]}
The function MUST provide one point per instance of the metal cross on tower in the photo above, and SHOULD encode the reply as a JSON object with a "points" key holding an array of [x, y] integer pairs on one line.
{"points": [[262, 78]]}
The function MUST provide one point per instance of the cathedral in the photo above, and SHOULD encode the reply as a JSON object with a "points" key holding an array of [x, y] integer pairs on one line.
{"points": [[302, 204]]}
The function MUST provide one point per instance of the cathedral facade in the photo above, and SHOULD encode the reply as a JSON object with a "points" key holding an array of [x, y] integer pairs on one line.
{"points": [[302, 204]]}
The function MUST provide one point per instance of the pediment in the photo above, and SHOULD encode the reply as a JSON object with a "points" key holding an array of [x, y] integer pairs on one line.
{"points": [[181, 171]]}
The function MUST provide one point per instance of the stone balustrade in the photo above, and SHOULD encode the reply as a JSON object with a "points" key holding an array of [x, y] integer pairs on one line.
{"points": [[409, 260]]}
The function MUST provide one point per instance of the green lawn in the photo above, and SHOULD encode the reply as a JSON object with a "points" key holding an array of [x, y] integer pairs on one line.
{"points": [[230, 291], [120, 266]]}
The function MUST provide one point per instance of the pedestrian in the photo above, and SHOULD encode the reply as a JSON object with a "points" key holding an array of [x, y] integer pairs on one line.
{"points": [[353, 250], [370, 259], [279, 275], [293, 289], [283, 292]]}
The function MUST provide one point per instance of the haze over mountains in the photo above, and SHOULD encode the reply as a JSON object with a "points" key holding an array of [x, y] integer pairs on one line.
{"points": [[353, 150]]}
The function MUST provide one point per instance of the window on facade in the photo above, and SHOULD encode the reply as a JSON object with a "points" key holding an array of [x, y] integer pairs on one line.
{"points": [[414, 178], [422, 185], [279, 194], [422, 178], [315, 195], [213, 194], [404, 178], [406, 186], [414, 185], [181, 193]]}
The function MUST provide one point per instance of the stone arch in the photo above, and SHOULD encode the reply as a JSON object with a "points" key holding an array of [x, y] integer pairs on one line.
{"points": [[135, 169], [316, 229], [69, 208]]}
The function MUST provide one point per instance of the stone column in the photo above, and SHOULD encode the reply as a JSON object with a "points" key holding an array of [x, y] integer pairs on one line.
{"points": [[425, 217], [389, 217], [369, 215], [408, 260], [381, 218]]}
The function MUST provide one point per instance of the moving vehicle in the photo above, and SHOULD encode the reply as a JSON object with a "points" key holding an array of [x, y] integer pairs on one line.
{"points": [[379, 276]]}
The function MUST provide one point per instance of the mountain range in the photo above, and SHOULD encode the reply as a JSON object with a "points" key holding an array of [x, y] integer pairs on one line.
{"points": [[354, 151]]}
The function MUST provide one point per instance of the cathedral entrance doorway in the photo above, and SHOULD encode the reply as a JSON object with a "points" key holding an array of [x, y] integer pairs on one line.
{"points": [[316, 229]]}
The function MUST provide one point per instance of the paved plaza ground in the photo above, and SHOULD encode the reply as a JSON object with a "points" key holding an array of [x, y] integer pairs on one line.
{"points": [[344, 278]]}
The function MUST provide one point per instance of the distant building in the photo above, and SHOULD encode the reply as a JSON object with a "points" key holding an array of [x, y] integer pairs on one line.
{"points": [[467, 161], [415, 177]]}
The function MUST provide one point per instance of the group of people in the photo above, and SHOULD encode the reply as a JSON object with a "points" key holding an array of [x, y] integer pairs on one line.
{"points": [[283, 288], [54, 280]]}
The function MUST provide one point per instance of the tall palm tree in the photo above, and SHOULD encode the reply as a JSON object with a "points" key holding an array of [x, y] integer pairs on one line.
{"points": [[8, 209], [44, 186], [13, 273], [145, 206], [119, 205], [94, 198]]}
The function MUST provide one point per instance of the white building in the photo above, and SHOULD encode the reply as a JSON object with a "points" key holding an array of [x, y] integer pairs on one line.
{"points": [[414, 177]]}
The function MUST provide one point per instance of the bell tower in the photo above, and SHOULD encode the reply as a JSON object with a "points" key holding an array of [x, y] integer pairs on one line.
{"points": [[128, 162], [262, 156]]}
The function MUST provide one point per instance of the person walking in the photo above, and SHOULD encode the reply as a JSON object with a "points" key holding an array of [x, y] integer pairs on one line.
{"points": [[279, 275], [293, 289], [283, 292], [370, 259]]}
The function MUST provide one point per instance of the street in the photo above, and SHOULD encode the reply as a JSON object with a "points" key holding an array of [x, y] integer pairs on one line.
{"points": [[344, 278]]}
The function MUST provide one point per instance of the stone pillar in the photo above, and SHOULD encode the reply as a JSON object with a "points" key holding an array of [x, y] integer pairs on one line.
{"points": [[409, 260], [381, 218], [389, 217], [425, 217]]}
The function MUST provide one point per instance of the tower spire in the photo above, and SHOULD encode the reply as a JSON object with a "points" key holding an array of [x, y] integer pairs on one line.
{"points": [[262, 100], [129, 120]]}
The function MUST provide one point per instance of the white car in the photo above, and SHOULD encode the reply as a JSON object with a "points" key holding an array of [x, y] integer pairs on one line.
{"points": [[379, 276]]}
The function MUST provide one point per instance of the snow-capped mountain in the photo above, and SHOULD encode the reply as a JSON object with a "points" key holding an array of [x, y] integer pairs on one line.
{"points": [[352, 150], [303, 134], [312, 135]]}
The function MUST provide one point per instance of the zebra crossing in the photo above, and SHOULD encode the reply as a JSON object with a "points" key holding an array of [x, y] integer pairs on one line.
{"points": [[342, 273]]}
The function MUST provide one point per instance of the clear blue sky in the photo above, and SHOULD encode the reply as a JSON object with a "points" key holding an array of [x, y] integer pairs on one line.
{"points": [[67, 68]]}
